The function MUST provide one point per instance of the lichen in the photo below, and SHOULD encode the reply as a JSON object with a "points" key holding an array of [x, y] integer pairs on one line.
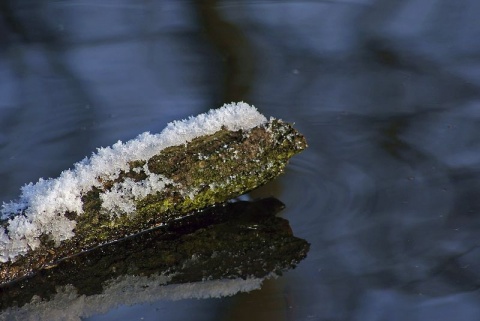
{"points": [[208, 170], [197, 166]]}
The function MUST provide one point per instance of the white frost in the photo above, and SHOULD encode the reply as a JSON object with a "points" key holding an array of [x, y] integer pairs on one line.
{"points": [[41, 206], [120, 199]]}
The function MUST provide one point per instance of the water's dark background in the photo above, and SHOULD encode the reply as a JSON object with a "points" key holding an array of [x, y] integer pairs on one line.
{"points": [[387, 93]]}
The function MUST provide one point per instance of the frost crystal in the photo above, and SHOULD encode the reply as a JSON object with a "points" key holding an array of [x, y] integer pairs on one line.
{"points": [[42, 206]]}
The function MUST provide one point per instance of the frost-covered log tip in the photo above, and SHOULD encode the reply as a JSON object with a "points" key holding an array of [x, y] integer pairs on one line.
{"points": [[143, 183]]}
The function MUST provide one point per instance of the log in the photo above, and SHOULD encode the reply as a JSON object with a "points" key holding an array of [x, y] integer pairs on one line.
{"points": [[142, 184]]}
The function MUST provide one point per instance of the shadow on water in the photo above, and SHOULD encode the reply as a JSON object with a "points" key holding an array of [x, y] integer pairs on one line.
{"points": [[215, 252]]}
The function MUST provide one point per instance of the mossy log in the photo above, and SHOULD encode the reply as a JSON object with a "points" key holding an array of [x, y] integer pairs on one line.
{"points": [[205, 171], [234, 240]]}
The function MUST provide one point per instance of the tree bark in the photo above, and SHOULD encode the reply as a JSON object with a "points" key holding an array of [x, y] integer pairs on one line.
{"points": [[206, 171]]}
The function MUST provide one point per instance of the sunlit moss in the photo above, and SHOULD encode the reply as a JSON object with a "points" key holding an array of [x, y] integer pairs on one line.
{"points": [[196, 167], [208, 170]]}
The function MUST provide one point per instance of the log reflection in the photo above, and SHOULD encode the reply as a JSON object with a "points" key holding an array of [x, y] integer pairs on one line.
{"points": [[234, 241]]}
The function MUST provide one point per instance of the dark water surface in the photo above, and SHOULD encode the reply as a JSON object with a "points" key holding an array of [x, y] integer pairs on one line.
{"points": [[387, 93]]}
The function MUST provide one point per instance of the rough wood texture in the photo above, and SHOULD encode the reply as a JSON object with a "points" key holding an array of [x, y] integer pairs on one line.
{"points": [[206, 171]]}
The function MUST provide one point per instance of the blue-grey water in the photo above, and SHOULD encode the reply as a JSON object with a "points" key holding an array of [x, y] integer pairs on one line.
{"points": [[387, 93]]}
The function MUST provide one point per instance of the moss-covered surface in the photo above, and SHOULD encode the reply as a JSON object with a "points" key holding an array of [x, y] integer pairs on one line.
{"points": [[206, 171], [234, 240]]}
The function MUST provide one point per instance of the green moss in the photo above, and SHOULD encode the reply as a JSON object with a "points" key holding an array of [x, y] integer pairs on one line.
{"points": [[206, 171]]}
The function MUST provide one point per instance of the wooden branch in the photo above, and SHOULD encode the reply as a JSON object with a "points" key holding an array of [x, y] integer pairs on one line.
{"points": [[208, 170]]}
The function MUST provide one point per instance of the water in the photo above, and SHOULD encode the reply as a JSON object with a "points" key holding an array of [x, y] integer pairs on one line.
{"points": [[386, 92]]}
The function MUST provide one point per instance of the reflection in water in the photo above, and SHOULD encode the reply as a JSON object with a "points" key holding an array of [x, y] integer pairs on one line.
{"points": [[216, 252], [234, 48]]}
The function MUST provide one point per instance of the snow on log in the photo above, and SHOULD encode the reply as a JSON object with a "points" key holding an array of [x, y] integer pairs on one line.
{"points": [[143, 183]]}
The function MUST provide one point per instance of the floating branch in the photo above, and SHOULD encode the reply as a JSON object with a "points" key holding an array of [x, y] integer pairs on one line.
{"points": [[225, 242], [143, 183]]}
